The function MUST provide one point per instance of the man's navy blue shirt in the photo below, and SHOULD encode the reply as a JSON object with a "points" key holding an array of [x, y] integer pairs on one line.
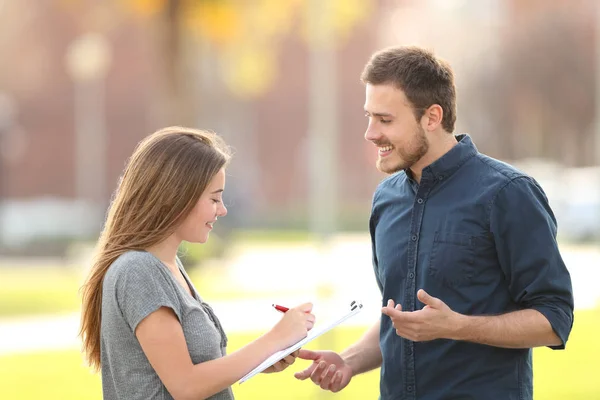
{"points": [[479, 235]]}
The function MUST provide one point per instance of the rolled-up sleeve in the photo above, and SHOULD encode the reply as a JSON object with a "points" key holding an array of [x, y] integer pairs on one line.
{"points": [[524, 229], [372, 225]]}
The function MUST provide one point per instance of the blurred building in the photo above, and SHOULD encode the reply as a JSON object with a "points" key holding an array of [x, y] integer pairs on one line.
{"points": [[45, 197], [524, 70]]}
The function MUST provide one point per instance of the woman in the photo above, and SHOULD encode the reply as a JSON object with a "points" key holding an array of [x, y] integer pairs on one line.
{"points": [[143, 323]]}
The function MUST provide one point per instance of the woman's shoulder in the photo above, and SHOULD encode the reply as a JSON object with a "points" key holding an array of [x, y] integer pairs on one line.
{"points": [[132, 263]]}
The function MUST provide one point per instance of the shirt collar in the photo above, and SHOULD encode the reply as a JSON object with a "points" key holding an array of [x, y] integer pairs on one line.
{"points": [[452, 160]]}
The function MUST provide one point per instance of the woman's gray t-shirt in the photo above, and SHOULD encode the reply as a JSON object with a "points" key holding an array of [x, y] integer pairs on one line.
{"points": [[136, 285]]}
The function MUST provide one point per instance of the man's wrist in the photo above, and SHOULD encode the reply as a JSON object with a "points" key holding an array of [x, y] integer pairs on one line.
{"points": [[461, 327], [350, 361]]}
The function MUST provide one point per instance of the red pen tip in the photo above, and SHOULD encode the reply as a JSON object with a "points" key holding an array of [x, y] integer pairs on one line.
{"points": [[280, 308]]}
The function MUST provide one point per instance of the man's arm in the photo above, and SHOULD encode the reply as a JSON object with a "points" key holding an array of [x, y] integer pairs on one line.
{"points": [[364, 355], [524, 230], [516, 330]]}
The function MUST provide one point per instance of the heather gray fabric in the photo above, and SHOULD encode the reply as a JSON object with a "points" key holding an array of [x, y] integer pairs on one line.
{"points": [[136, 285]]}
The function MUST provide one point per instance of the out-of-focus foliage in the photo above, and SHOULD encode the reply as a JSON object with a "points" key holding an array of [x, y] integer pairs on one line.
{"points": [[245, 34]]}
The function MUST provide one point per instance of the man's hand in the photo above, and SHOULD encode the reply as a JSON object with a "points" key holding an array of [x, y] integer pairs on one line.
{"points": [[283, 363], [435, 321], [328, 370]]}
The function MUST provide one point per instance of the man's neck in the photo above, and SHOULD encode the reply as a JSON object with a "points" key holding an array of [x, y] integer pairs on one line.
{"points": [[437, 148]]}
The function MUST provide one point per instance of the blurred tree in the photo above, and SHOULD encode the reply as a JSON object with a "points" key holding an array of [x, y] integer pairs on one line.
{"points": [[538, 101], [212, 53], [245, 34]]}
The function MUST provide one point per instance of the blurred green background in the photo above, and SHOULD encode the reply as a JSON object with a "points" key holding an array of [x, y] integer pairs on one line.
{"points": [[61, 374]]}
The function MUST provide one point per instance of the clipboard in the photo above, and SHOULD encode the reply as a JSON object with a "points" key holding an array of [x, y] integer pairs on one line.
{"points": [[314, 333]]}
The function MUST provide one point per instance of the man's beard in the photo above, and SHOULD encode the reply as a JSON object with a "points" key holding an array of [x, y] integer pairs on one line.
{"points": [[418, 147]]}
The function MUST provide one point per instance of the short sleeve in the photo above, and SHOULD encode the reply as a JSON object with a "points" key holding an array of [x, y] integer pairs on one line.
{"points": [[143, 288]]}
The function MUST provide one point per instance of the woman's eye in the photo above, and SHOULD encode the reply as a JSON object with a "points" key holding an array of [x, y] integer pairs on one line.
{"points": [[216, 201]]}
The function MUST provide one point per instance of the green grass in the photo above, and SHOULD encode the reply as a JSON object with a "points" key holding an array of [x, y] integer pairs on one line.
{"points": [[559, 375], [48, 375], [27, 291], [51, 289], [38, 290], [573, 373]]}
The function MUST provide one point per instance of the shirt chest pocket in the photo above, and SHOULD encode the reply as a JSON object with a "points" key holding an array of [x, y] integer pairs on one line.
{"points": [[452, 259]]}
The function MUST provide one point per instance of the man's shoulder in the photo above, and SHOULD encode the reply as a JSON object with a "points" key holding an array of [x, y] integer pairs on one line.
{"points": [[502, 177], [392, 181], [502, 171]]}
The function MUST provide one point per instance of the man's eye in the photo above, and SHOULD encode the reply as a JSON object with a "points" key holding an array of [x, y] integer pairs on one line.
{"points": [[385, 121]]}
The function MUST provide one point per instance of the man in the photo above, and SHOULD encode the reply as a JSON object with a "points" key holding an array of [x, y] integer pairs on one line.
{"points": [[464, 252]]}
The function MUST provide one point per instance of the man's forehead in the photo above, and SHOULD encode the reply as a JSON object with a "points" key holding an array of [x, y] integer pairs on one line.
{"points": [[384, 90], [382, 96]]}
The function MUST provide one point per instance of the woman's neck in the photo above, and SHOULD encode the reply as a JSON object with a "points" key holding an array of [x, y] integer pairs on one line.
{"points": [[166, 251]]}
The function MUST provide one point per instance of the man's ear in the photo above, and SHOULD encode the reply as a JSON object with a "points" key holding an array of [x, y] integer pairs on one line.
{"points": [[432, 118]]}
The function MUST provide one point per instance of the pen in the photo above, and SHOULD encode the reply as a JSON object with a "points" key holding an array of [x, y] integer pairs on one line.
{"points": [[280, 308]]}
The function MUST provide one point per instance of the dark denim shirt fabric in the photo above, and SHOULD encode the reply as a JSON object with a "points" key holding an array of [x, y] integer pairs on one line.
{"points": [[480, 235]]}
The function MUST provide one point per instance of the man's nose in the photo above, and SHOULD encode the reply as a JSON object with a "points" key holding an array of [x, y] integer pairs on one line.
{"points": [[371, 134]]}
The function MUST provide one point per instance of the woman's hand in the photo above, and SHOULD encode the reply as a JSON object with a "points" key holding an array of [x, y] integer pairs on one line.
{"points": [[293, 326], [282, 364]]}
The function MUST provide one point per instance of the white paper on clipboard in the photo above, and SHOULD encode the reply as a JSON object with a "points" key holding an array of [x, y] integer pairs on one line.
{"points": [[314, 333]]}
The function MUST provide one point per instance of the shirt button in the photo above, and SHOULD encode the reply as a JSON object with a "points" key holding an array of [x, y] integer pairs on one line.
{"points": [[411, 275], [440, 178], [409, 388], [413, 238], [420, 201]]}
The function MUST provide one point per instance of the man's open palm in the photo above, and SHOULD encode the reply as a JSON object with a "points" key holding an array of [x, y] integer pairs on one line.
{"points": [[328, 370]]}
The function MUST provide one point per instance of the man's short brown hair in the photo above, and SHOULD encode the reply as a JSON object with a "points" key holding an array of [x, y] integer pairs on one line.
{"points": [[424, 79]]}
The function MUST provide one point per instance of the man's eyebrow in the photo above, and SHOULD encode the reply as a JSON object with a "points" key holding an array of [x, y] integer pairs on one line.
{"points": [[375, 114]]}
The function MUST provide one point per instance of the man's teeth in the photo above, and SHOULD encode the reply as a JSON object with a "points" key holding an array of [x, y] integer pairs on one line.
{"points": [[383, 149]]}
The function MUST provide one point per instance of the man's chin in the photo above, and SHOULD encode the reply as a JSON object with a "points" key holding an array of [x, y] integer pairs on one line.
{"points": [[389, 168]]}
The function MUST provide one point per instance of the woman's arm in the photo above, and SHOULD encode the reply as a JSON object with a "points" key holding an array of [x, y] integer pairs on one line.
{"points": [[162, 339]]}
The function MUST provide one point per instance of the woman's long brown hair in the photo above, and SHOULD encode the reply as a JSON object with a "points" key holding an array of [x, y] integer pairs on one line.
{"points": [[161, 184]]}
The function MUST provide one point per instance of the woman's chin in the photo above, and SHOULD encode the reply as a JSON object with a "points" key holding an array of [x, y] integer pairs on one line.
{"points": [[203, 239], [200, 239]]}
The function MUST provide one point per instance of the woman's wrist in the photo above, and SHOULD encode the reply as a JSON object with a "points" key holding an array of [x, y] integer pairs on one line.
{"points": [[271, 341]]}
